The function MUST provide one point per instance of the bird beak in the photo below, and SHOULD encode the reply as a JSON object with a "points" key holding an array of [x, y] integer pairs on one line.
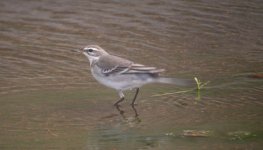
{"points": [[77, 50]]}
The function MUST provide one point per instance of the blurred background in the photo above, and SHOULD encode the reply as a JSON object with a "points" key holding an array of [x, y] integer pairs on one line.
{"points": [[49, 100]]}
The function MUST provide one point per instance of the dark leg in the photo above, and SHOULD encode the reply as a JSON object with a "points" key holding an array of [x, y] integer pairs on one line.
{"points": [[135, 111], [120, 111], [135, 96], [120, 100]]}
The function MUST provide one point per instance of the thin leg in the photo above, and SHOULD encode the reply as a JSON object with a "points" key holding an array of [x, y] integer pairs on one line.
{"points": [[135, 111], [120, 111], [121, 98], [117, 103], [135, 96]]}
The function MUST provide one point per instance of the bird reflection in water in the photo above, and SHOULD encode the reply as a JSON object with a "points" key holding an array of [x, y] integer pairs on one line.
{"points": [[122, 113]]}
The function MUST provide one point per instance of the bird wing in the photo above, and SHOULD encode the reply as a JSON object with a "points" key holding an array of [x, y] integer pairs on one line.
{"points": [[142, 69], [111, 64]]}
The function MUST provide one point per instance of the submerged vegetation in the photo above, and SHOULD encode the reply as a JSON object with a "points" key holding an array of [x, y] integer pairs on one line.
{"points": [[199, 85]]}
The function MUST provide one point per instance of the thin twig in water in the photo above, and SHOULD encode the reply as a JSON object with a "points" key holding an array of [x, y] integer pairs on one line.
{"points": [[199, 85]]}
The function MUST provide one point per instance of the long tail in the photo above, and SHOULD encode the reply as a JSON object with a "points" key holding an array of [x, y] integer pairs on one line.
{"points": [[176, 81]]}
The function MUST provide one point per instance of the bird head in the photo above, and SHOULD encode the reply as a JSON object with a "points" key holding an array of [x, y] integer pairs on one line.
{"points": [[93, 52]]}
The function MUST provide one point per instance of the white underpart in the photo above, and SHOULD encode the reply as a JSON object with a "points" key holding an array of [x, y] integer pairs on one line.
{"points": [[120, 82]]}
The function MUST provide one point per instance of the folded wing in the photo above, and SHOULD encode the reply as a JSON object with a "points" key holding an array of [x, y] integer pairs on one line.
{"points": [[115, 65]]}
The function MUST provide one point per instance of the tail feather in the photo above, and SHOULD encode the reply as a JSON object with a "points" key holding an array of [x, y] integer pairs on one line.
{"points": [[176, 81]]}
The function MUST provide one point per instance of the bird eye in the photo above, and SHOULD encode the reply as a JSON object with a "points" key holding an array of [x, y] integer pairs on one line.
{"points": [[90, 50]]}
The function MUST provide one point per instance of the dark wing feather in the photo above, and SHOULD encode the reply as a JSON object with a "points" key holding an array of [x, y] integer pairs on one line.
{"points": [[112, 64], [139, 68]]}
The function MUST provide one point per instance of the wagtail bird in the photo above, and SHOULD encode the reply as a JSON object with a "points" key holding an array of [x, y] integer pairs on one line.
{"points": [[122, 74]]}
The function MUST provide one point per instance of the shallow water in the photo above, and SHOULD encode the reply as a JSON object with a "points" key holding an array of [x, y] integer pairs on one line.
{"points": [[50, 101]]}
